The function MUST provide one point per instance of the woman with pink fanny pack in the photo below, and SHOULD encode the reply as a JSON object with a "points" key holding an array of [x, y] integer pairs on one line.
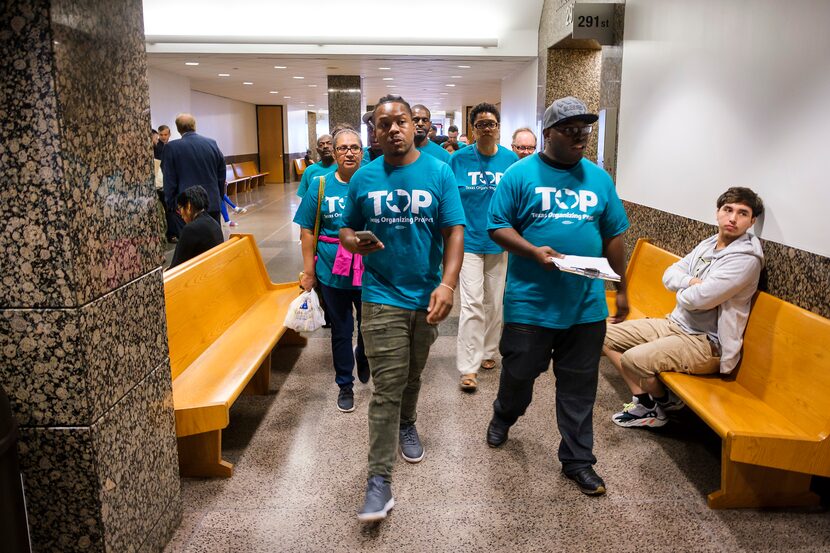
{"points": [[334, 271]]}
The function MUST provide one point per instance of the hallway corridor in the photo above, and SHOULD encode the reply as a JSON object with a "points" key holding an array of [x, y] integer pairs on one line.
{"points": [[300, 465]]}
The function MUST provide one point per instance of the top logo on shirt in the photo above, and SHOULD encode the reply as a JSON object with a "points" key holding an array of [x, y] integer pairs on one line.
{"points": [[401, 202], [569, 204]]}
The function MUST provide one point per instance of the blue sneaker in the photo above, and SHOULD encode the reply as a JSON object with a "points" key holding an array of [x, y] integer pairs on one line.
{"points": [[379, 500], [411, 449]]}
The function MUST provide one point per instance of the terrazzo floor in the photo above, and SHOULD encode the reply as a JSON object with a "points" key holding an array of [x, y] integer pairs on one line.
{"points": [[300, 464]]}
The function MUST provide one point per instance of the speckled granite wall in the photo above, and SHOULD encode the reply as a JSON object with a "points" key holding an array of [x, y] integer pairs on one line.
{"points": [[312, 133], [83, 350], [797, 276], [345, 94], [575, 73]]}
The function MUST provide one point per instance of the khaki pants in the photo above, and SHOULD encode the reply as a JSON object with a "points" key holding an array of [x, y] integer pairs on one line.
{"points": [[652, 346], [479, 322]]}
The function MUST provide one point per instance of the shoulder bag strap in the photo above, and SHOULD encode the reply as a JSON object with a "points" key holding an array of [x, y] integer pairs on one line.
{"points": [[319, 208]]}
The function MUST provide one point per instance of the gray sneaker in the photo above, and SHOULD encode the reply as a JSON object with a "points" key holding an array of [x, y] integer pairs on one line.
{"points": [[411, 448], [379, 500], [672, 403]]}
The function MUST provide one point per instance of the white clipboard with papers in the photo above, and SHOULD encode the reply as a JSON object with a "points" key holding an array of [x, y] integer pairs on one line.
{"points": [[591, 267]]}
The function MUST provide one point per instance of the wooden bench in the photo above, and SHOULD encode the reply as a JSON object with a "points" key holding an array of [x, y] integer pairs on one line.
{"points": [[224, 316], [299, 167], [248, 169], [773, 412], [233, 184]]}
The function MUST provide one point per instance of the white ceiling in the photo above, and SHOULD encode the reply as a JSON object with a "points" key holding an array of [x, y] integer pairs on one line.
{"points": [[246, 46]]}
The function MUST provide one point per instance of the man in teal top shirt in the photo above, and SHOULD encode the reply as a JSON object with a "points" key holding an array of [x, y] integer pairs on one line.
{"points": [[410, 202], [547, 205], [325, 149], [422, 119], [478, 170]]}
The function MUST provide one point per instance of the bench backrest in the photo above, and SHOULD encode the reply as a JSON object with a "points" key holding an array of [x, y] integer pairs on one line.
{"points": [[206, 294], [786, 362], [229, 174], [299, 166], [245, 169], [644, 276]]}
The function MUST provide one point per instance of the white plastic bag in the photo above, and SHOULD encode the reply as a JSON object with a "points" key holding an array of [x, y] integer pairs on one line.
{"points": [[305, 313]]}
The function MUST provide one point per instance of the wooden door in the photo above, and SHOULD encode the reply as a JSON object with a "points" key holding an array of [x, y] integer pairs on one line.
{"points": [[270, 140]]}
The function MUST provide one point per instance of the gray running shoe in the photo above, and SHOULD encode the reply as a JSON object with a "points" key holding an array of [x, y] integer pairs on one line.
{"points": [[379, 500], [636, 414], [411, 449]]}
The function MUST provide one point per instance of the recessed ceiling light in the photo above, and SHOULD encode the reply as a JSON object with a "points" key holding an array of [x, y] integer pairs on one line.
{"points": [[287, 97], [311, 105], [280, 67], [455, 77], [444, 93], [191, 63], [312, 86], [298, 77], [463, 66], [449, 85], [248, 83], [384, 68], [391, 86], [224, 74], [389, 78], [274, 92]]}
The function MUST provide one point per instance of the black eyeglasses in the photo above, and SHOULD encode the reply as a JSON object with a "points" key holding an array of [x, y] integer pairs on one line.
{"points": [[575, 132], [481, 125], [524, 148], [353, 148]]}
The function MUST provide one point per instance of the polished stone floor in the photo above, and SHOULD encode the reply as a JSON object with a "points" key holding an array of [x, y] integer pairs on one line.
{"points": [[300, 464]]}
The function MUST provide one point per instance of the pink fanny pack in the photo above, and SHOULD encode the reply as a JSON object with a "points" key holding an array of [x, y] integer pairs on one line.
{"points": [[345, 261]]}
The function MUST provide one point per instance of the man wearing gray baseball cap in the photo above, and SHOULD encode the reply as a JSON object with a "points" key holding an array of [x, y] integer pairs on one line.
{"points": [[547, 205]]}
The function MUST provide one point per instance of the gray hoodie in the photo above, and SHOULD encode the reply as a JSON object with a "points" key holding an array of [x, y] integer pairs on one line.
{"points": [[719, 307]]}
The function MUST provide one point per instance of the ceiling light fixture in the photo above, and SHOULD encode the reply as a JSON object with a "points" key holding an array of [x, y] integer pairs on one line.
{"points": [[463, 66], [312, 86], [280, 67], [449, 85], [455, 77], [274, 92], [224, 74], [287, 97], [248, 83], [352, 90], [191, 63], [389, 78], [298, 77], [384, 68]]}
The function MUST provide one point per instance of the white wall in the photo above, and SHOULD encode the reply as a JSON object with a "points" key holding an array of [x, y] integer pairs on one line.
{"points": [[518, 102], [231, 123], [297, 131], [718, 94], [169, 96]]}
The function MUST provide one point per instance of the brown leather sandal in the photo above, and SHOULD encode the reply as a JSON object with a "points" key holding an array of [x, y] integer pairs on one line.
{"points": [[468, 382], [488, 364]]}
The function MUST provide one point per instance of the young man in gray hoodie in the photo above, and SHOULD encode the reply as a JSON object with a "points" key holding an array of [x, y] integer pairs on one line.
{"points": [[714, 284]]}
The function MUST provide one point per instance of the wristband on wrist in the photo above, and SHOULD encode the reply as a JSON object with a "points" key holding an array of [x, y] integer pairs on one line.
{"points": [[446, 286]]}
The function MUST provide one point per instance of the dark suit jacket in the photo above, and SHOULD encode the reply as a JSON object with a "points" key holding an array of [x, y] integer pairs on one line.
{"points": [[192, 160], [198, 236]]}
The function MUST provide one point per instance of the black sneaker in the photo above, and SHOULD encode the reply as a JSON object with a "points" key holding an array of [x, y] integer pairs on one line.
{"points": [[496, 434], [378, 502], [588, 481], [345, 400], [363, 372], [411, 449]]}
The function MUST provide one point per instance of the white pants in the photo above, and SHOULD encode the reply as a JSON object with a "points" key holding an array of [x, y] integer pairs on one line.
{"points": [[479, 324]]}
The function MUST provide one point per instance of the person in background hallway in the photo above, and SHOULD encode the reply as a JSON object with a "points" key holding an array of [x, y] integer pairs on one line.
{"points": [[524, 142], [193, 160], [478, 170], [373, 150], [337, 273], [452, 145], [410, 202], [164, 138], [236, 209], [547, 205], [433, 132], [325, 165], [201, 232], [307, 158], [421, 118], [714, 285]]}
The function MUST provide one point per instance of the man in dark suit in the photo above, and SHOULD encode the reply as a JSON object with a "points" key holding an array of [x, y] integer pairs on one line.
{"points": [[193, 160], [201, 233]]}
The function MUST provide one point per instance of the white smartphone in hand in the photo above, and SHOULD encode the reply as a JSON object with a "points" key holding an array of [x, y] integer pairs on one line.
{"points": [[366, 236]]}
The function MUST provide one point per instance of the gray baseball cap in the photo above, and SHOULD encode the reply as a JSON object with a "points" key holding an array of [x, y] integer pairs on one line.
{"points": [[567, 109], [367, 117]]}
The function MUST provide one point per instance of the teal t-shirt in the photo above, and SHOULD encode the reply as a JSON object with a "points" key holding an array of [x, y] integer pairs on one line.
{"points": [[434, 150], [331, 219], [478, 176], [406, 207], [312, 171], [572, 211]]}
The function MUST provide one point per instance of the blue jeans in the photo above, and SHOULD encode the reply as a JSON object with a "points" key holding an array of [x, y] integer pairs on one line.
{"points": [[339, 304], [526, 353], [397, 345]]}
